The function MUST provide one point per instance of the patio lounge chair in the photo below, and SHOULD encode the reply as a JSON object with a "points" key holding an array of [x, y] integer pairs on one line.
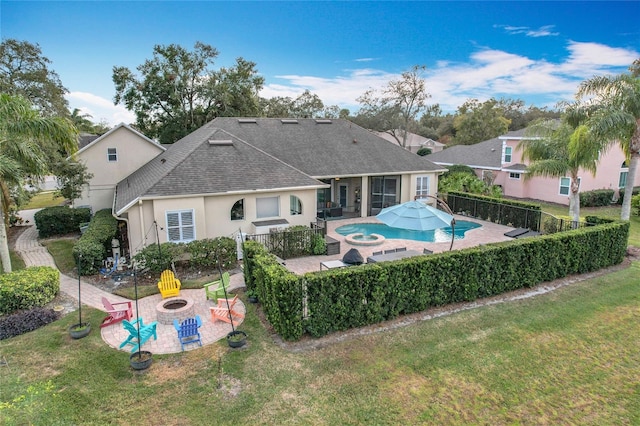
{"points": [[514, 233], [188, 331], [225, 310], [168, 285], [218, 288], [146, 331], [116, 312]]}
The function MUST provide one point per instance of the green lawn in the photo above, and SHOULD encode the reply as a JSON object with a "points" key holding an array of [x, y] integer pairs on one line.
{"points": [[570, 357], [43, 199]]}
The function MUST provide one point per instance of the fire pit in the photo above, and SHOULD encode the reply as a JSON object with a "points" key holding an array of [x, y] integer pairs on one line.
{"points": [[179, 308]]}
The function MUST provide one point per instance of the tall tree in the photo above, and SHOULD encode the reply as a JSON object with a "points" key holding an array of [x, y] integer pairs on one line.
{"points": [[177, 91], [25, 71], [560, 149], [23, 134], [617, 118], [476, 122], [396, 109]]}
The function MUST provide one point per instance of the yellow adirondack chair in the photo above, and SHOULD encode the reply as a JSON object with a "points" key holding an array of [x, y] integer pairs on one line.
{"points": [[168, 285]]}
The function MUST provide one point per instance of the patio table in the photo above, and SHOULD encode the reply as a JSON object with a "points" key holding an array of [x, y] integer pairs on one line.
{"points": [[393, 256], [330, 264]]}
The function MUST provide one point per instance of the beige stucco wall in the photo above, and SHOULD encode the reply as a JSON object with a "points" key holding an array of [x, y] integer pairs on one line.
{"points": [[211, 215], [132, 150]]}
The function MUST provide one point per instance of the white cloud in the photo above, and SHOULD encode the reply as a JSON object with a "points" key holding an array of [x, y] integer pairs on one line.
{"points": [[543, 31], [487, 73], [99, 108]]}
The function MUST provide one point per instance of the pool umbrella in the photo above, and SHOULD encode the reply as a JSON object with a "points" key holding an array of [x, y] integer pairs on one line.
{"points": [[416, 216]]}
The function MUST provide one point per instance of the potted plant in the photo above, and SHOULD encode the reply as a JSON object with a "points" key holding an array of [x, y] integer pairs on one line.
{"points": [[81, 329], [252, 297], [139, 360], [236, 339]]}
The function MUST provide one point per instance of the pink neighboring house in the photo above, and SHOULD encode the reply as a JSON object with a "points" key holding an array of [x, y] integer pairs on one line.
{"points": [[500, 160]]}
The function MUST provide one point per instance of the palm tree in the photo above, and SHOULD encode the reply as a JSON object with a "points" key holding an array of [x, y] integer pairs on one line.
{"points": [[559, 150], [617, 119], [26, 143]]}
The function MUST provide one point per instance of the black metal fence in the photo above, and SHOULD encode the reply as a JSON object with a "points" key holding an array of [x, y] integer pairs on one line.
{"points": [[290, 243], [496, 211]]}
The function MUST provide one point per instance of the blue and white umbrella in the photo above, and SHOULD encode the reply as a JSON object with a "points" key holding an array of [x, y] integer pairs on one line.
{"points": [[415, 215]]}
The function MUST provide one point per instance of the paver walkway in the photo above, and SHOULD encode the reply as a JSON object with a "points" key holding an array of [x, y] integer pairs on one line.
{"points": [[34, 254]]}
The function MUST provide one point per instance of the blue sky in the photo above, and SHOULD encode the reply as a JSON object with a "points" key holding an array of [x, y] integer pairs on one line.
{"points": [[534, 51]]}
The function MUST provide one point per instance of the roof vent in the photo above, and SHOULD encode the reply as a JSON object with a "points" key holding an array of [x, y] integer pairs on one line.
{"points": [[289, 121], [216, 142], [324, 121], [246, 120]]}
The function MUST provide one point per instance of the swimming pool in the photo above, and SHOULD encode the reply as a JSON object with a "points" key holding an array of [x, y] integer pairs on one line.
{"points": [[436, 236]]}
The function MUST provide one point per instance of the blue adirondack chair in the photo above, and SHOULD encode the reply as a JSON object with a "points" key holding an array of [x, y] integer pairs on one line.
{"points": [[146, 331], [188, 331]]}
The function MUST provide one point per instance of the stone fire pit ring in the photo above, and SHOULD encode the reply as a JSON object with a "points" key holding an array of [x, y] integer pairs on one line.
{"points": [[179, 308]]}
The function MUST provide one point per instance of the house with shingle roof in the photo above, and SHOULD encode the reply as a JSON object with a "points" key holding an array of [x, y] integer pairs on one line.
{"points": [[110, 158], [414, 141], [499, 161], [249, 175]]}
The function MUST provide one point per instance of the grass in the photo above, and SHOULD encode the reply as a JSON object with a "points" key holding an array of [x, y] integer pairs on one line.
{"points": [[43, 199], [569, 357], [612, 212]]}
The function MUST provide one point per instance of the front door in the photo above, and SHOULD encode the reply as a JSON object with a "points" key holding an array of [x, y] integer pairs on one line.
{"points": [[343, 195]]}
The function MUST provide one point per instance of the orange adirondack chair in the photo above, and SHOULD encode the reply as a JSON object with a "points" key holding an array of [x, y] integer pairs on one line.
{"points": [[221, 311], [116, 312], [168, 285]]}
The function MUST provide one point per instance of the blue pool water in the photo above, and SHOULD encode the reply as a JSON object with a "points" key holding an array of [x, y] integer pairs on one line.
{"points": [[436, 236]]}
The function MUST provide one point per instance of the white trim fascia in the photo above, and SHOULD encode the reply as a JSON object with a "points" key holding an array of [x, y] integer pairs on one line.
{"points": [[216, 194], [126, 126]]}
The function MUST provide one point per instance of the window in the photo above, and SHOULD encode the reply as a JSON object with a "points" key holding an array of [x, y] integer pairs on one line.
{"points": [[112, 154], [384, 190], [622, 181], [507, 154], [422, 186], [267, 207], [295, 205], [565, 185], [513, 175], [237, 211], [180, 226]]}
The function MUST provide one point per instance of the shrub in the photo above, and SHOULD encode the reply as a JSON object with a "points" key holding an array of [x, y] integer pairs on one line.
{"points": [[635, 205], [28, 288], [157, 259], [24, 321], [597, 198], [95, 242], [635, 191], [60, 220], [207, 252], [319, 245]]}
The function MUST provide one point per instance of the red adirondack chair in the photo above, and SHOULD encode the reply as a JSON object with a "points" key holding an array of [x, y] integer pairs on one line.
{"points": [[116, 312]]}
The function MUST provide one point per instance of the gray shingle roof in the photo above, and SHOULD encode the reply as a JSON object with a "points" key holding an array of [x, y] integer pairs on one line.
{"points": [[326, 148], [265, 154], [194, 166], [487, 154]]}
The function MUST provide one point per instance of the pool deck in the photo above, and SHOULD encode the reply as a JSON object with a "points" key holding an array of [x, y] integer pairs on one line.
{"points": [[488, 233]]}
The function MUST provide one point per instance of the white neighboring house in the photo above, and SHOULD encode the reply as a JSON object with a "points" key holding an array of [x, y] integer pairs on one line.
{"points": [[414, 142], [110, 158]]}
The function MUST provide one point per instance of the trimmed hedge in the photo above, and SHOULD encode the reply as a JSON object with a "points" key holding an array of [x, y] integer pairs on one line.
{"points": [[344, 298], [61, 220], [95, 242], [28, 288]]}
